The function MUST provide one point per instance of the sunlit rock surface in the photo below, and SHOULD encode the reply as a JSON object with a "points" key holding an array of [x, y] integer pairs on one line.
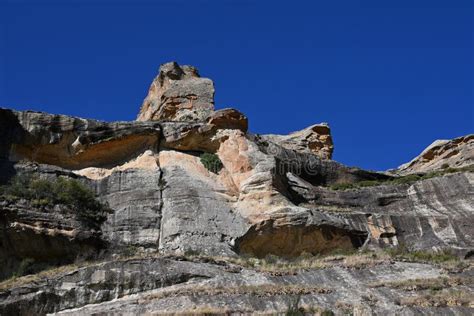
{"points": [[180, 238]]}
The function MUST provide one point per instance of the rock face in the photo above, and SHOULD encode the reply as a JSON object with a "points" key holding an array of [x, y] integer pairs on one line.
{"points": [[44, 235], [429, 214], [454, 153], [178, 93], [184, 239], [197, 214], [73, 143], [291, 234], [229, 119], [176, 285], [135, 196], [315, 139]]}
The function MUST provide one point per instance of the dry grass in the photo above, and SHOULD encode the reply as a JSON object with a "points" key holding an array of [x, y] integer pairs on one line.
{"points": [[280, 266], [19, 281], [434, 284], [400, 180], [271, 264], [264, 290], [204, 310], [47, 274], [456, 266], [447, 298], [213, 310], [345, 307], [349, 260]]}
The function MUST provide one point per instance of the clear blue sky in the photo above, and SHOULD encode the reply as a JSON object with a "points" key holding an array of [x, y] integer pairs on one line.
{"points": [[389, 77]]}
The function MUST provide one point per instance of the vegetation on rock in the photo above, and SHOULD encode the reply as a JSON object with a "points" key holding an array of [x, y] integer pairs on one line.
{"points": [[408, 179], [43, 193], [211, 162]]}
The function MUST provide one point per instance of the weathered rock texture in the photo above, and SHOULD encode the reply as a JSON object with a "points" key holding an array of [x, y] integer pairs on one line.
{"points": [[44, 234], [454, 153], [171, 285], [315, 139], [229, 119], [273, 196], [178, 93], [429, 214], [71, 142]]}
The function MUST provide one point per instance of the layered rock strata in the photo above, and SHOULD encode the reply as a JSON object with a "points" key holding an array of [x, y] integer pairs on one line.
{"points": [[442, 154], [274, 196]]}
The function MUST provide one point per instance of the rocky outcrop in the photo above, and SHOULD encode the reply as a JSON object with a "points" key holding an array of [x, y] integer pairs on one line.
{"points": [[229, 119], [100, 283], [178, 286], [441, 154], [178, 93], [198, 216], [290, 233], [429, 214], [74, 143], [190, 136], [44, 235], [274, 196], [315, 139], [135, 196]]}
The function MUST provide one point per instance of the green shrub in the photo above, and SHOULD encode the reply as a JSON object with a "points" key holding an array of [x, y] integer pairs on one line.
{"points": [[271, 259], [402, 252], [44, 193], [408, 179], [369, 183], [211, 162], [343, 186], [191, 252]]}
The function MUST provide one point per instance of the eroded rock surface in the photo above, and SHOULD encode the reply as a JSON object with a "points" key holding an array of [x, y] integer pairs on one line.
{"points": [[441, 154], [71, 142], [274, 196], [178, 93], [429, 214], [292, 233], [315, 139], [229, 119], [171, 285]]}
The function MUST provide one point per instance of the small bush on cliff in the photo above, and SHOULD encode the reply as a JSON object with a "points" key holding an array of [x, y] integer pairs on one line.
{"points": [[211, 162], [408, 179], [61, 191], [402, 252]]}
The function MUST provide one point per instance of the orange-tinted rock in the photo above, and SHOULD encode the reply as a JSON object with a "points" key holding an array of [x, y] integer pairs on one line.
{"points": [[454, 153], [178, 94], [229, 119], [315, 139]]}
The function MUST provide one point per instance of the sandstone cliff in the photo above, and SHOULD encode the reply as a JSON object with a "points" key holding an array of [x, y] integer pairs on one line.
{"points": [[178, 93], [278, 221], [441, 154]]}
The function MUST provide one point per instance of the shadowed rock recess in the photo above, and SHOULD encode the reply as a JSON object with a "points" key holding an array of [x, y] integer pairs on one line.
{"points": [[278, 227]]}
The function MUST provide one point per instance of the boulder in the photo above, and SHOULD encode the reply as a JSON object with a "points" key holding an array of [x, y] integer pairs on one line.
{"points": [[178, 93]]}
